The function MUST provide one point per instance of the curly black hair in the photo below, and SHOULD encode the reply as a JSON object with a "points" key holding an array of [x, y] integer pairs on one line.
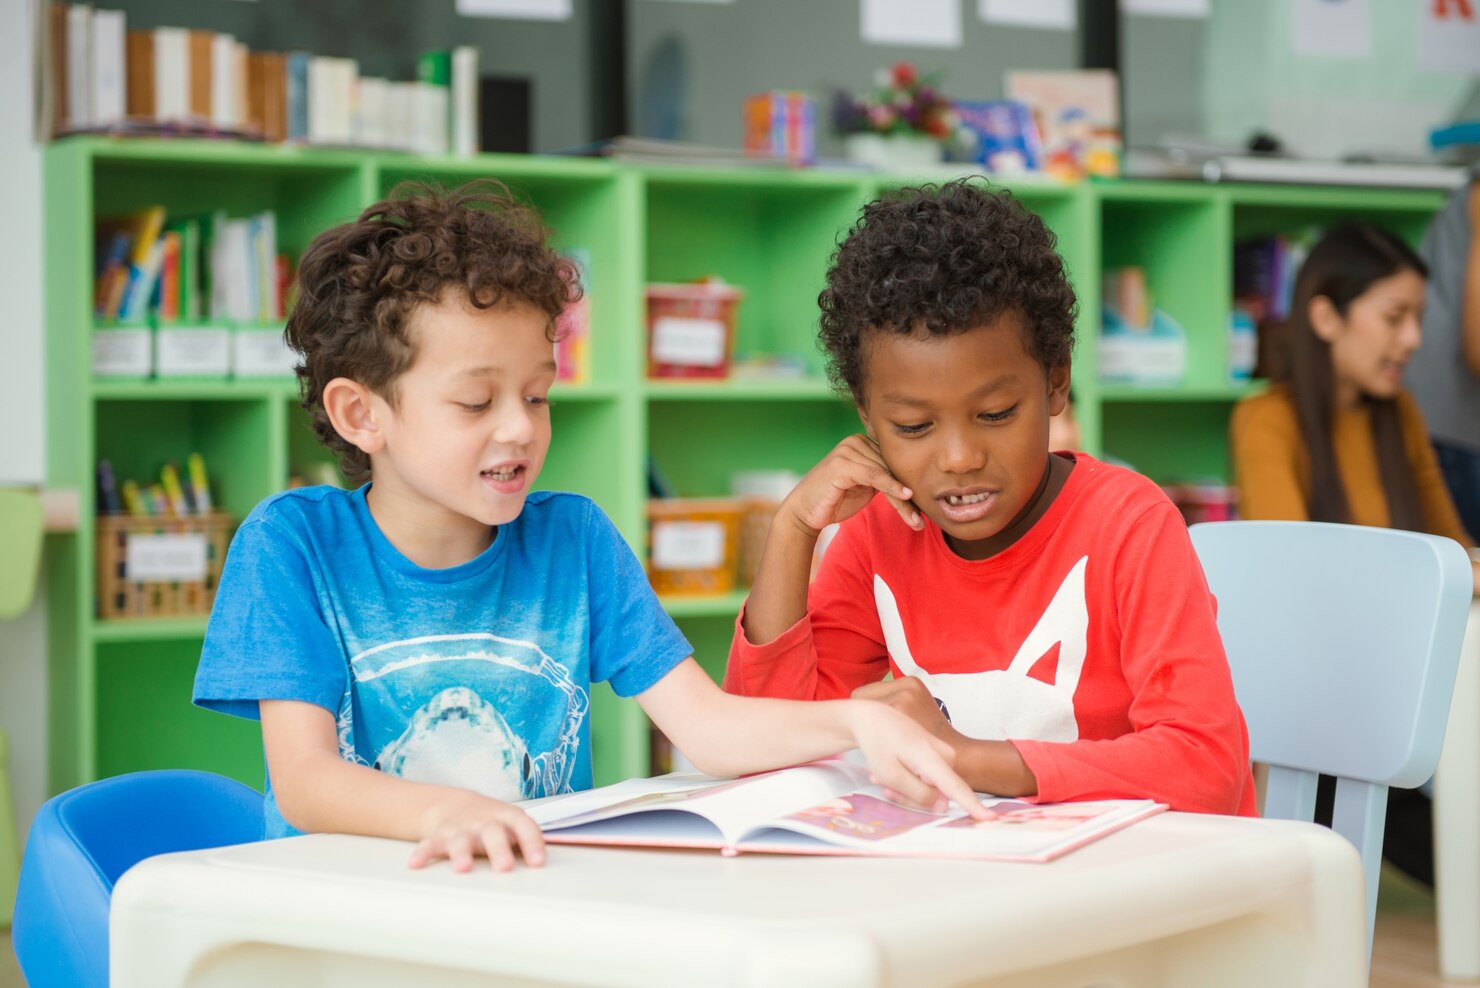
{"points": [[944, 258], [360, 282]]}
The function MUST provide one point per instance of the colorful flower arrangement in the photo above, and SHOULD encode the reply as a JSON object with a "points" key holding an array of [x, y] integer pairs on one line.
{"points": [[904, 102]]}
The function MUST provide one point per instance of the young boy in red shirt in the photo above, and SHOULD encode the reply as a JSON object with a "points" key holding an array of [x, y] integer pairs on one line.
{"points": [[1044, 613]]}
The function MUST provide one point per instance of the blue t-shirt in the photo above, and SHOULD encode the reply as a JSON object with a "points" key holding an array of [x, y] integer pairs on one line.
{"points": [[476, 676]]}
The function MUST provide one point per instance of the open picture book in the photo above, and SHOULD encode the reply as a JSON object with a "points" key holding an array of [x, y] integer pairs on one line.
{"points": [[824, 807]]}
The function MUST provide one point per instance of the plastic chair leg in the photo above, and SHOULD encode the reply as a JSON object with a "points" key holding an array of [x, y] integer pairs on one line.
{"points": [[1457, 820]]}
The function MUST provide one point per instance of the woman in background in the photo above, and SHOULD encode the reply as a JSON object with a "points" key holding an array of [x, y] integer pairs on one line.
{"points": [[1340, 440]]}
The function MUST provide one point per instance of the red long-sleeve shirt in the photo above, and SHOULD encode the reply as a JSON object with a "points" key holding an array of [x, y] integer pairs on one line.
{"points": [[1090, 643]]}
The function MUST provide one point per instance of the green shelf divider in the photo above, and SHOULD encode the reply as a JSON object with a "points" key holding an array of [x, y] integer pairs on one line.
{"points": [[190, 628]]}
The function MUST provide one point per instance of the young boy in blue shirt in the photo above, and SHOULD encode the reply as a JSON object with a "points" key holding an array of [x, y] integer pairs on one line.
{"points": [[420, 650]]}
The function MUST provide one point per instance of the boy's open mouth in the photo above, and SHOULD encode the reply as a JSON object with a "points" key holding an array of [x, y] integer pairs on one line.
{"points": [[506, 478], [967, 505]]}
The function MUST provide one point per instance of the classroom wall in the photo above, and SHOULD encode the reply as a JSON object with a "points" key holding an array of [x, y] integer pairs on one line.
{"points": [[1325, 107], [22, 641]]}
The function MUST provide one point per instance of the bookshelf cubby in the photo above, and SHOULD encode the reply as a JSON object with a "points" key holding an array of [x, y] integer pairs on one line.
{"points": [[120, 690]]}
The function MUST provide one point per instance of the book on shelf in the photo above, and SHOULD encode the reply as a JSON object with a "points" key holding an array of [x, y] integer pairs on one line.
{"points": [[823, 807], [98, 74], [189, 267], [659, 151]]}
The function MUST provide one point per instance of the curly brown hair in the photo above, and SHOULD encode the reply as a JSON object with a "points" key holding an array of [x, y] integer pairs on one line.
{"points": [[359, 283], [943, 258]]}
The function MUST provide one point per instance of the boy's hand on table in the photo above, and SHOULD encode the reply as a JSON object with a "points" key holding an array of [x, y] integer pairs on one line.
{"points": [[467, 825], [909, 764], [843, 484]]}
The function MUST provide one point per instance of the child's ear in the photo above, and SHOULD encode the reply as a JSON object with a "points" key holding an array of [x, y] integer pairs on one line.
{"points": [[349, 405], [868, 427], [1058, 389], [1325, 321]]}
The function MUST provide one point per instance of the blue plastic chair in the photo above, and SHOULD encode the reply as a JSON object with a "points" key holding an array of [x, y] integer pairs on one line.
{"points": [[1344, 642], [82, 841]]}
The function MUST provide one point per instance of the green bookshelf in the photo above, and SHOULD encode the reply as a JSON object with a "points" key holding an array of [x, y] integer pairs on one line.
{"points": [[120, 689]]}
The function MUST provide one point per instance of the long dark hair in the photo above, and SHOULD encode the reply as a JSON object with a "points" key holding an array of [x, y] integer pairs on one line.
{"points": [[1342, 266]]}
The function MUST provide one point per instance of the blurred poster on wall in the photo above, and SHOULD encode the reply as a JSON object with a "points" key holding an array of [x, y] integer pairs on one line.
{"points": [[913, 23], [1331, 28], [1449, 36]]}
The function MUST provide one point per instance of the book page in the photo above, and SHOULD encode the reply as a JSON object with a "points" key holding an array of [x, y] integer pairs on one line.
{"points": [[732, 806], [1015, 830]]}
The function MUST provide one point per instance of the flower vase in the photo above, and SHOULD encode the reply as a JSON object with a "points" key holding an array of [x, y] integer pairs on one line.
{"points": [[892, 152]]}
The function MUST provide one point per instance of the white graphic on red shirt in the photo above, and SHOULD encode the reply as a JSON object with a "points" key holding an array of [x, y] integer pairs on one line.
{"points": [[1008, 703]]}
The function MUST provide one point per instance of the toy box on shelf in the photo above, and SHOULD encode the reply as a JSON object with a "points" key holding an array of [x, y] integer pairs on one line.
{"points": [[691, 329], [1139, 344], [694, 544]]}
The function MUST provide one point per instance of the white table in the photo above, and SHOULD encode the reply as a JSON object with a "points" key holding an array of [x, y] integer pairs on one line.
{"points": [[1457, 819], [1178, 899]]}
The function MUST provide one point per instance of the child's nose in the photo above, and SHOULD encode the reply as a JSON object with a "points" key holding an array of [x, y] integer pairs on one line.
{"points": [[515, 427], [960, 455]]}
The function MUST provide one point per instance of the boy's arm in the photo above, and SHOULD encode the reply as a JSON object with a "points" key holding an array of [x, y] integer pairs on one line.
{"points": [[835, 647], [727, 735], [773, 652], [839, 487], [317, 791]]}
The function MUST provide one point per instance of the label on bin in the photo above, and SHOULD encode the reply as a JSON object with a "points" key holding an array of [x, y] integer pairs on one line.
{"points": [[165, 558], [689, 342], [688, 544]]}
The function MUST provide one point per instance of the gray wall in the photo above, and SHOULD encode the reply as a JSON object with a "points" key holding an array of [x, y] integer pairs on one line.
{"points": [[728, 51]]}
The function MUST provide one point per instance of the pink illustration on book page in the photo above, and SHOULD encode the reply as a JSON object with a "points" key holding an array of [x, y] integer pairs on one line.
{"points": [[1029, 816], [864, 817]]}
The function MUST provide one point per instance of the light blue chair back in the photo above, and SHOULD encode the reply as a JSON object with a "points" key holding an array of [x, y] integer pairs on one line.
{"points": [[82, 841], [1344, 642]]}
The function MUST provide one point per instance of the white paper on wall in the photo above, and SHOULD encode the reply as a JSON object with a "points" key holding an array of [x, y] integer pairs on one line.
{"points": [[1199, 9], [918, 23], [1449, 36], [1331, 28], [524, 10], [1057, 15]]}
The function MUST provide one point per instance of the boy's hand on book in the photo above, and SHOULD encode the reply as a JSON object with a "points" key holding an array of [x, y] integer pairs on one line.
{"points": [[909, 764], [467, 825], [843, 484]]}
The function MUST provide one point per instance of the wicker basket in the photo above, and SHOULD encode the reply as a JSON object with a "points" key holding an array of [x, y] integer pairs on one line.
{"points": [[120, 596], [755, 526]]}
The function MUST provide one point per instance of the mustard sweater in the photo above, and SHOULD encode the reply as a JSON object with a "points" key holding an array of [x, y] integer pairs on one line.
{"points": [[1272, 470]]}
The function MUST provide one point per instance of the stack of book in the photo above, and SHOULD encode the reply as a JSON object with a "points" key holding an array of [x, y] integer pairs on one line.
{"points": [[104, 76]]}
